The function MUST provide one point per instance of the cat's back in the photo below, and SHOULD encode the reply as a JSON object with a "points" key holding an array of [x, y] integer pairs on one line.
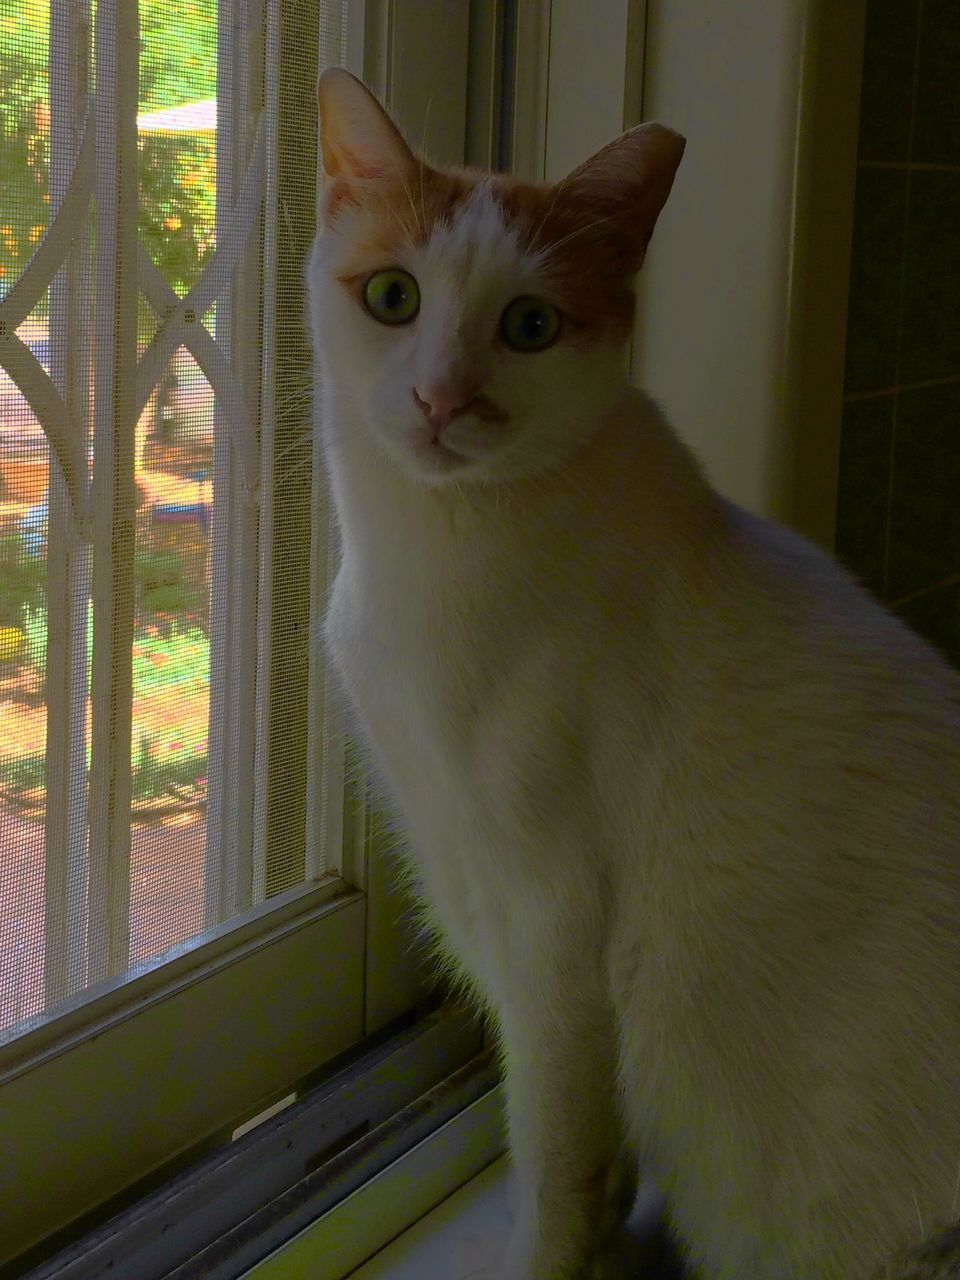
{"points": [[794, 631], [815, 715], [784, 688], [799, 892]]}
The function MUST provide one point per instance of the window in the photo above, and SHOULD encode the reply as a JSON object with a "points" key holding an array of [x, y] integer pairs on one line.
{"points": [[193, 912]]}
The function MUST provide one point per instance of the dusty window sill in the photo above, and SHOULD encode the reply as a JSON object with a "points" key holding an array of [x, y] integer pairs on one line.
{"points": [[462, 1234], [464, 1237], [443, 1212]]}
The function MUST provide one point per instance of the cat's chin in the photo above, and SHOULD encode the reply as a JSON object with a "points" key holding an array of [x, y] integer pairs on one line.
{"points": [[433, 462]]}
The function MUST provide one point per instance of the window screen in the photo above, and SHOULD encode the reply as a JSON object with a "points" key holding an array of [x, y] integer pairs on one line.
{"points": [[162, 538]]}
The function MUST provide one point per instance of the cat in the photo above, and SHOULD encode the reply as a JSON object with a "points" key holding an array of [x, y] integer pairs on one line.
{"points": [[682, 797]]}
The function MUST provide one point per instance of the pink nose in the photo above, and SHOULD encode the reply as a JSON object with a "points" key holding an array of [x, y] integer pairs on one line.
{"points": [[441, 404]]}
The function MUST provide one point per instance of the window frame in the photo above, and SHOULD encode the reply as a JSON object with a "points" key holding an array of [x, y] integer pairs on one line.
{"points": [[749, 285], [140, 1069], [232, 1208]]}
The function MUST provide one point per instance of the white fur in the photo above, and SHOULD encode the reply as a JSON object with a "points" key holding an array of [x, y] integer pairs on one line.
{"points": [[682, 796], [467, 273]]}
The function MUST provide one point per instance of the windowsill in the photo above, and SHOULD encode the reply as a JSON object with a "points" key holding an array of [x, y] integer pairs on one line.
{"points": [[442, 1211], [398, 1204], [460, 1235], [465, 1236]]}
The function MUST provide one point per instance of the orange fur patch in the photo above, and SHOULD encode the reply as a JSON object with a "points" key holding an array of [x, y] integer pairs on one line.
{"points": [[590, 260], [588, 267], [403, 210]]}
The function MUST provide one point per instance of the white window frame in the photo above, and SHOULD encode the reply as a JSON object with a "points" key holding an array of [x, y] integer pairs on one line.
{"points": [[743, 299], [143, 1067]]}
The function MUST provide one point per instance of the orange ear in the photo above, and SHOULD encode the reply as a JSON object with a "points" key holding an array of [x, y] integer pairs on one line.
{"points": [[357, 137], [624, 186]]}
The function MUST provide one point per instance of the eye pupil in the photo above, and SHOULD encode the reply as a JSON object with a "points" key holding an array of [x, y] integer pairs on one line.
{"points": [[530, 324], [392, 296]]}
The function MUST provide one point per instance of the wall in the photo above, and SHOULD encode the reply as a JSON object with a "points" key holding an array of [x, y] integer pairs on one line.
{"points": [[898, 510], [743, 294]]}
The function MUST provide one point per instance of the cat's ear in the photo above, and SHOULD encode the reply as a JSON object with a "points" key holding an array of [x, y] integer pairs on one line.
{"points": [[622, 188], [358, 140]]}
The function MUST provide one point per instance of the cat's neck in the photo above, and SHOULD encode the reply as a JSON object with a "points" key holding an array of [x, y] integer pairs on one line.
{"points": [[632, 483]]}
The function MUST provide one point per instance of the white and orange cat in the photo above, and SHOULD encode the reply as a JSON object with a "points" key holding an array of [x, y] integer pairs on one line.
{"points": [[683, 800]]}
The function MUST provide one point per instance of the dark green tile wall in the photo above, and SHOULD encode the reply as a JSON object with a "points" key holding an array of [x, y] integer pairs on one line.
{"points": [[874, 305], [863, 491], [930, 308], [888, 63], [936, 132], [898, 511]]}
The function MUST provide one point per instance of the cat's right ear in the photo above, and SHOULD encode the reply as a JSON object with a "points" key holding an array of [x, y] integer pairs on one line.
{"points": [[358, 140], [621, 190]]}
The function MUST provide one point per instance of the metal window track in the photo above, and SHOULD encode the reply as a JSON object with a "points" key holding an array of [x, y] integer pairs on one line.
{"points": [[233, 1208]]}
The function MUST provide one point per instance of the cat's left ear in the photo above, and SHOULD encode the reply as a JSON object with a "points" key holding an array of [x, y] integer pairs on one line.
{"points": [[624, 186], [358, 140]]}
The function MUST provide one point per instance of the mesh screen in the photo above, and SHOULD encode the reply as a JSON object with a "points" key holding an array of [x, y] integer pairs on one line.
{"points": [[155, 742]]}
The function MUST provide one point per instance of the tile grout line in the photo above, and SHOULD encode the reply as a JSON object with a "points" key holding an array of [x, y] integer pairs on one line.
{"points": [[923, 166], [952, 581], [900, 296], [947, 381]]}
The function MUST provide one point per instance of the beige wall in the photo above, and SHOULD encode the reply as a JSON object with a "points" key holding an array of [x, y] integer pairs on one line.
{"points": [[743, 296]]}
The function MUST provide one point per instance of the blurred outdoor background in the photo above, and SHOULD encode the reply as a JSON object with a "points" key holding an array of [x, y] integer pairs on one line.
{"points": [[174, 438]]}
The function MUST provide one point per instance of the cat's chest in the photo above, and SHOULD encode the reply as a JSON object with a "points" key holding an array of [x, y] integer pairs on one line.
{"points": [[415, 688], [473, 717]]}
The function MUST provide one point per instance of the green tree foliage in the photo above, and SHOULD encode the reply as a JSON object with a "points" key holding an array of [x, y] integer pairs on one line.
{"points": [[23, 142], [177, 65], [177, 203], [178, 52], [22, 583]]}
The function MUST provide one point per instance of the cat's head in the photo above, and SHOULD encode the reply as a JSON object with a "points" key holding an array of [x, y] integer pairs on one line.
{"points": [[477, 322]]}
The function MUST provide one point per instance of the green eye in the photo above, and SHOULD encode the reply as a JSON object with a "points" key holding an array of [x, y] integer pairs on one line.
{"points": [[392, 297], [530, 324]]}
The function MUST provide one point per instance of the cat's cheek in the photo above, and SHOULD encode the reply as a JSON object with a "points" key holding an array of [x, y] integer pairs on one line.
{"points": [[397, 433]]}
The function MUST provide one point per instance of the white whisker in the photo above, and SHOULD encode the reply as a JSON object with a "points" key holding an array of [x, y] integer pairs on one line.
{"points": [[423, 143], [294, 444], [413, 208], [572, 235], [919, 1215], [557, 190]]}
